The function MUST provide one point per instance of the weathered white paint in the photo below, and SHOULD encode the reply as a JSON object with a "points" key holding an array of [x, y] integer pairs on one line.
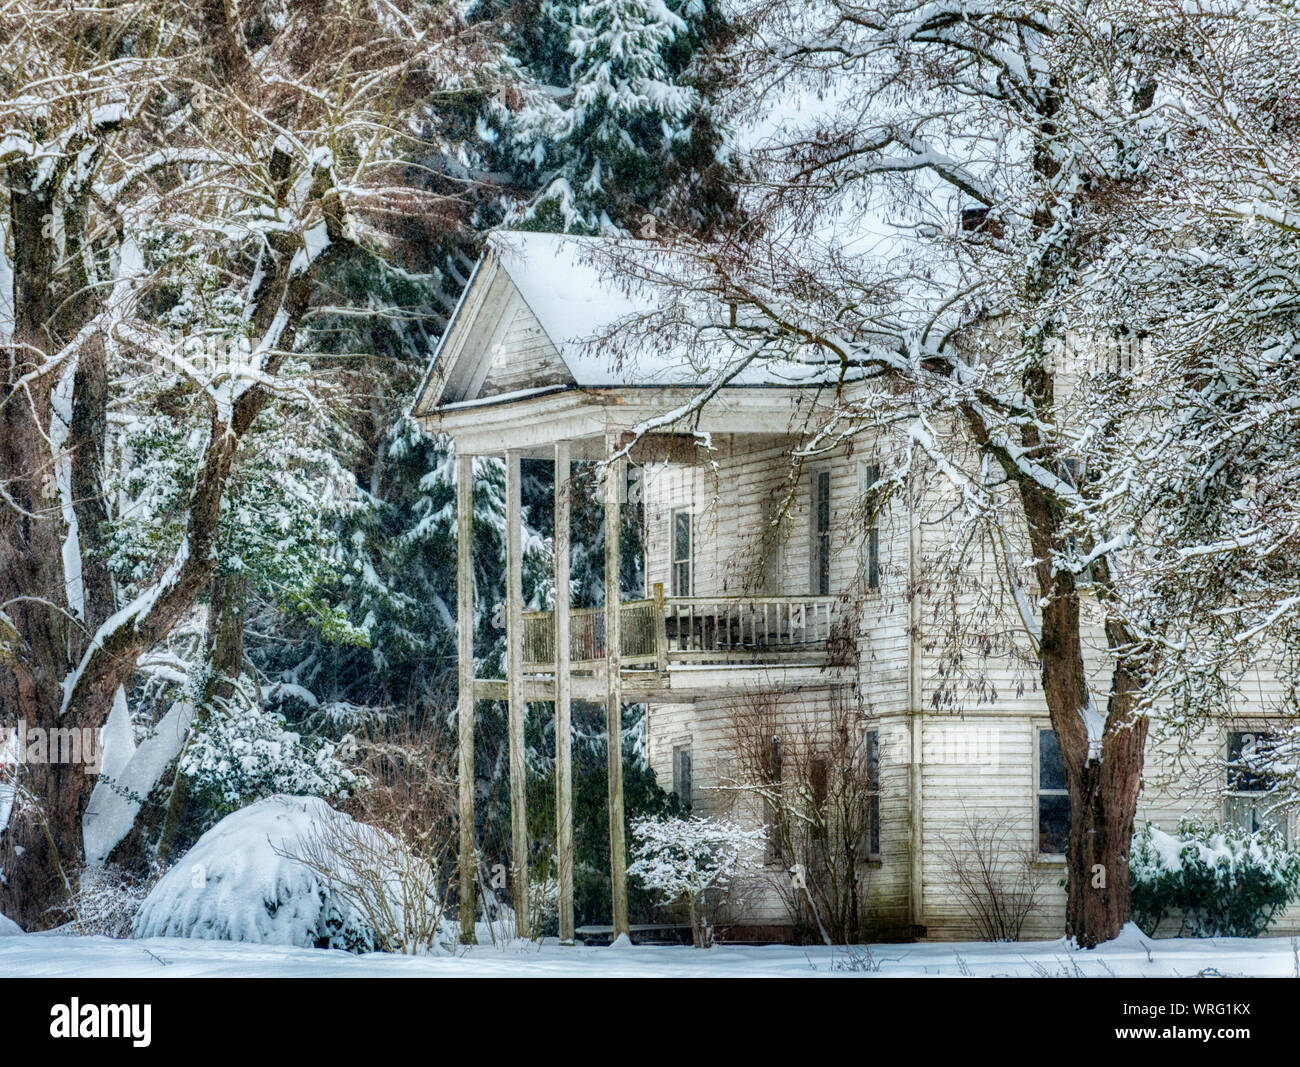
{"points": [[515, 688], [563, 691], [467, 860]]}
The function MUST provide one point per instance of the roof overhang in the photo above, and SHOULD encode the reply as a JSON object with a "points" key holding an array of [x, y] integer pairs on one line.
{"points": [[590, 417]]}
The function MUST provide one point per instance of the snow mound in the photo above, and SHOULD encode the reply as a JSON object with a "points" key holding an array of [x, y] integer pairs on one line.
{"points": [[246, 879], [9, 928], [1130, 937]]}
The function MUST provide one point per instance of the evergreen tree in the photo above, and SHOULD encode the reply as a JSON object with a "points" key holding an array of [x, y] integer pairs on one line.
{"points": [[618, 133]]}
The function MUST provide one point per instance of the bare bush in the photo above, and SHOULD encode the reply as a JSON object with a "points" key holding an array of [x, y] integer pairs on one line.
{"points": [[388, 884], [813, 775], [387, 863], [107, 899], [994, 878]]}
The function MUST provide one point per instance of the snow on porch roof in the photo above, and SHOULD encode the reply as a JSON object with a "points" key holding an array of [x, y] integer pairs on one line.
{"points": [[577, 301]]}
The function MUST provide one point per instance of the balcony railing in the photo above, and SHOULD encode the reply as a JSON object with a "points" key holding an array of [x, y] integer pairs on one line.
{"points": [[638, 622], [659, 631]]}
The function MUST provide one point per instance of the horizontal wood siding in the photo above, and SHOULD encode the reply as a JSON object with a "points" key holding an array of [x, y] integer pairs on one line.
{"points": [[707, 727]]}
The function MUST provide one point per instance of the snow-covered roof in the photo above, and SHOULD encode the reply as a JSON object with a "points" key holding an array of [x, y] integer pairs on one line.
{"points": [[574, 300], [579, 303]]}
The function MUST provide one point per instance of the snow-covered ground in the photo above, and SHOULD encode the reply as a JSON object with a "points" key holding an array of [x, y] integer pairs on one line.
{"points": [[1132, 955]]}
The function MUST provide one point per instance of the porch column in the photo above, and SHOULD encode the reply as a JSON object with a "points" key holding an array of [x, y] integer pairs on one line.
{"points": [[515, 694], [614, 473], [563, 694], [916, 722], [467, 858]]}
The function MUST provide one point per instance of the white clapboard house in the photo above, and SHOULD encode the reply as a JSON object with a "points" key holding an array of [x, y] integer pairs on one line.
{"points": [[760, 592]]}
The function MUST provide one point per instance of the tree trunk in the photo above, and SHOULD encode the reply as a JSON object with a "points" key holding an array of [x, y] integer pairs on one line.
{"points": [[1103, 779], [1103, 805], [52, 675], [225, 652]]}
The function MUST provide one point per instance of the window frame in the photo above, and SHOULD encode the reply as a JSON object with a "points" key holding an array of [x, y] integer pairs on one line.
{"points": [[819, 540], [874, 830], [770, 542], [1279, 821], [774, 847], [1039, 792], [686, 781], [674, 563], [868, 475]]}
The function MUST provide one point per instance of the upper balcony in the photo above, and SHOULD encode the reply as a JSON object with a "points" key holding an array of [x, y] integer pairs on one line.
{"points": [[687, 645]]}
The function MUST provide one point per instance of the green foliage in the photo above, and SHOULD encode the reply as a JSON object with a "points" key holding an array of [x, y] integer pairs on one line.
{"points": [[278, 521], [1224, 882], [618, 124], [641, 796]]}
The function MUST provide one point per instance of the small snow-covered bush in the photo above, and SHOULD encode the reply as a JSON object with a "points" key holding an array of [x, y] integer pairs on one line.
{"points": [[293, 871], [692, 860], [1224, 882], [107, 901]]}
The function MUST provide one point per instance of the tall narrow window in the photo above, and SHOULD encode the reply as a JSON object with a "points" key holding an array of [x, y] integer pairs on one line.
{"points": [[872, 841], [682, 774], [771, 822], [821, 533], [1053, 797], [682, 551], [868, 476], [769, 545], [1249, 800], [1073, 472]]}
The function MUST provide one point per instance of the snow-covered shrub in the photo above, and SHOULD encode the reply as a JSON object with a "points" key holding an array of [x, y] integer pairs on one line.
{"points": [[257, 876], [389, 880], [692, 860], [242, 752], [1224, 882], [107, 901]]}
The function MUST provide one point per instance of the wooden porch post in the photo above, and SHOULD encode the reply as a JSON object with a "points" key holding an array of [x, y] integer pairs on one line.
{"points": [[614, 692], [915, 713], [515, 694], [563, 696], [467, 858]]}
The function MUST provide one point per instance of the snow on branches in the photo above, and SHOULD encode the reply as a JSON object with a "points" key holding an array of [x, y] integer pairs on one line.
{"points": [[692, 860]]}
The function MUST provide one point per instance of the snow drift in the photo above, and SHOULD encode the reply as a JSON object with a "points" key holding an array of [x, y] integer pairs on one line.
{"points": [[9, 928], [282, 871]]}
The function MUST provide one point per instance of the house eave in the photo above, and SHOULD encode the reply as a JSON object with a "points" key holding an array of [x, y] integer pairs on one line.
{"points": [[537, 419]]}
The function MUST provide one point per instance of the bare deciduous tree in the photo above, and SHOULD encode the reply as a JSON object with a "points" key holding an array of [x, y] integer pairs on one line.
{"points": [[812, 777], [156, 154]]}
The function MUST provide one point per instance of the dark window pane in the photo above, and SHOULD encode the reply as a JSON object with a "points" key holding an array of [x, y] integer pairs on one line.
{"points": [[874, 831], [774, 759], [819, 780], [1053, 824], [823, 501], [1051, 768], [873, 559], [1245, 749], [821, 540], [775, 848], [682, 536], [682, 578]]}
